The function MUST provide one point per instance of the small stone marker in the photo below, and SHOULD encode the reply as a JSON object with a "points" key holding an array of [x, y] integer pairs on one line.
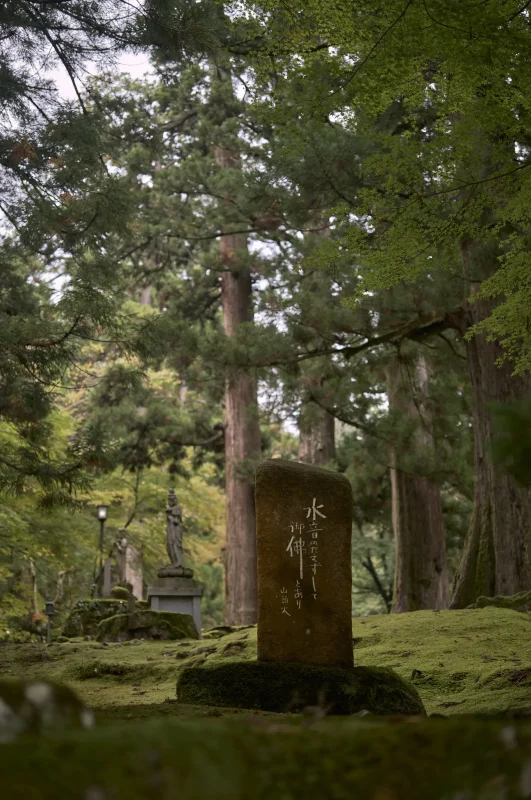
{"points": [[303, 530]]}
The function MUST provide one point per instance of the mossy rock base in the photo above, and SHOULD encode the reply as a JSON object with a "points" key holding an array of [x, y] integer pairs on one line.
{"points": [[515, 602], [147, 625], [86, 615], [293, 687]]}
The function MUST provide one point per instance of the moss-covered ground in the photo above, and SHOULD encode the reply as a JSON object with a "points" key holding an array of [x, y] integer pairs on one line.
{"points": [[145, 744], [473, 661], [262, 759]]}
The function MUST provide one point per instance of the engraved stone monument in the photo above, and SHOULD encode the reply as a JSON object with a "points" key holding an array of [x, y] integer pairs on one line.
{"points": [[303, 530], [175, 588], [305, 661]]}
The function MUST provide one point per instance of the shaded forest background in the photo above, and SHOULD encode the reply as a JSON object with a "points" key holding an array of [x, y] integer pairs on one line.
{"points": [[301, 236]]}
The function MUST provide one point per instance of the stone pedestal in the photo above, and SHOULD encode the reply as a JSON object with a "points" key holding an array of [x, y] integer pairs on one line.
{"points": [[180, 594]]}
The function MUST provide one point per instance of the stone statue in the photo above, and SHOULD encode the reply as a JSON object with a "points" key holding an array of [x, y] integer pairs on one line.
{"points": [[174, 589], [174, 530], [174, 541]]}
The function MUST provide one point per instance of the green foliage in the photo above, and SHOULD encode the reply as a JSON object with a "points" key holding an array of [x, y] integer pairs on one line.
{"points": [[67, 214], [63, 545], [436, 98]]}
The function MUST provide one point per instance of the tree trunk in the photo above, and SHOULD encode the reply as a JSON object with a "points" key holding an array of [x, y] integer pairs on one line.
{"points": [[496, 554], [316, 435], [33, 583], [421, 576], [317, 444], [242, 431]]}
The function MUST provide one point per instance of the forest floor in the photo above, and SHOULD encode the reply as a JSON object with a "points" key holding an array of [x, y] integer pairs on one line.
{"points": [[473, 667]]}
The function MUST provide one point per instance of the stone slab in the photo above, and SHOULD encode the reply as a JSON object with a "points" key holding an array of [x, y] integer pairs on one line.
{"points": [[169, 591], [175, 584], [304, 530]]}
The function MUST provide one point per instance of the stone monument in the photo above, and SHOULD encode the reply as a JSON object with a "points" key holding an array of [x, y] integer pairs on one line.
{"points": [[303, 531], [305, 659], [175, 589], [128, 565]]}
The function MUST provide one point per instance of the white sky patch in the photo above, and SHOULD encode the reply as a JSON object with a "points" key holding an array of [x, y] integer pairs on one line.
{"points": [[137, 65]]}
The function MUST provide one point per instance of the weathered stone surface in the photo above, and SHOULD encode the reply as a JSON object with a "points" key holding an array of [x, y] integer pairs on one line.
{"points": [[303, 529], [174, 571], [178, 594], [147, 625], [37, 707], [86, 615], [294, 687]]}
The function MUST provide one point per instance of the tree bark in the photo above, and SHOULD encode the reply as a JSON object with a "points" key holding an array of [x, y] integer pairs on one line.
{"points": [[496, 554], [421, 576], [242, 431], [317, 444], [316, 435]]}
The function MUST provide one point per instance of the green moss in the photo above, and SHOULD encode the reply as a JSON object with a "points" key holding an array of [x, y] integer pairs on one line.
{"points": [[516, 602], [293, 687], [97, 669], [86, 615], [455, 654], [119, 593], [218, 632], [147, 624], [452, 655], [221, 759]]}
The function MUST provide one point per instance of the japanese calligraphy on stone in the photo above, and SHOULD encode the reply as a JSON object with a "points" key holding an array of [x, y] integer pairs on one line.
{"points": [[303, 526], [303, 546]]}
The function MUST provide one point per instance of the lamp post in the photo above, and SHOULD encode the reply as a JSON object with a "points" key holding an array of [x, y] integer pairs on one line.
{"points": [[102, 516]]}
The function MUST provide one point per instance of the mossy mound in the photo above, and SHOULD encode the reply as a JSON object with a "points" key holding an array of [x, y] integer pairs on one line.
{"points": [[516, 602], [86, 615], [119, 593], [30, 707], [293, 687], [147, 625], [219, 631], [261, 759]]}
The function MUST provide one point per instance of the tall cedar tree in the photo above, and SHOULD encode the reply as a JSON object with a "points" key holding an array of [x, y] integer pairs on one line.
{"points": [[61, 209], [167, 133], [457, 198], [319, 162]]}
